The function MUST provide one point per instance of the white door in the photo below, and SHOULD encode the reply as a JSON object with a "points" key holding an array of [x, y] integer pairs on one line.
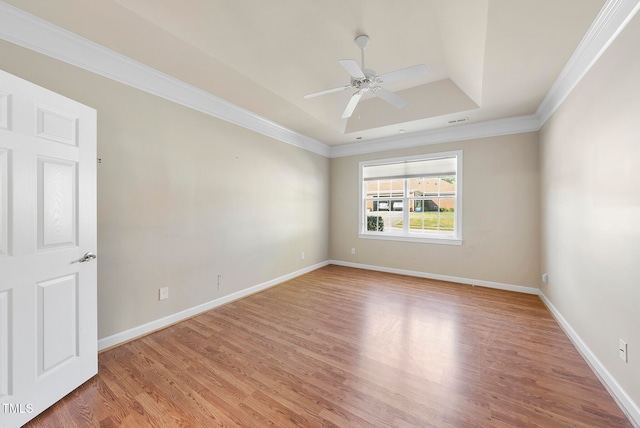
{"points": [[48, 311]]}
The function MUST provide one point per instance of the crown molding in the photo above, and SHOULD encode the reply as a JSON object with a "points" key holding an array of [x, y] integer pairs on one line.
{"points": [[613, 17], [490, 128], [28, 31]]}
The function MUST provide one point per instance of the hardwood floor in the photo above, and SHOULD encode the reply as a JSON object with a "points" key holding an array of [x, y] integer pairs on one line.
{"points": [[349, 348]]}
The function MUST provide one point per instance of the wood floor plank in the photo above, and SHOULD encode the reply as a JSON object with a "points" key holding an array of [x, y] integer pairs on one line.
{"points": [[342, 347]]}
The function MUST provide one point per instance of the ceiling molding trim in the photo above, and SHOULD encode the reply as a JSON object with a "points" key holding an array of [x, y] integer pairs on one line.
{"points": [[611, 20], [471, 131], [28, 31]]}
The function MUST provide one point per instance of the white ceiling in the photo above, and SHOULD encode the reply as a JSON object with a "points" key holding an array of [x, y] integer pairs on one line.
{"points": [[486, 59]]}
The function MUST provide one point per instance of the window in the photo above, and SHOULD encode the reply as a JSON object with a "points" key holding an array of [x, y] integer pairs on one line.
{"points": [[414, 198]]}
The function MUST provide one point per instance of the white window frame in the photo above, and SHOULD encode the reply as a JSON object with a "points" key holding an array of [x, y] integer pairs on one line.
{"points": [[452, 239]]}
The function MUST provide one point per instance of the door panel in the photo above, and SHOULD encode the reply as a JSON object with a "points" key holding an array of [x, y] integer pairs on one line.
{"points": [[48, 311], [57, 323], [56, 126], [4, 202], [56, 203], [4, 343], [4, 110]]}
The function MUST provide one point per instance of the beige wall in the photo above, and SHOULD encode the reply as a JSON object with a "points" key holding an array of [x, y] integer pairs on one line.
{"points": [[590, 171], [184, 197], [500, 215]]}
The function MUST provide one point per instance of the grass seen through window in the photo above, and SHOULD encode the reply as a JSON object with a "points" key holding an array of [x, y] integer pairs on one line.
{"points": [[443, 221]]}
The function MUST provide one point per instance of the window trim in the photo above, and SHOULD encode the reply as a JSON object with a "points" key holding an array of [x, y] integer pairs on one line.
{"points": [[431, 239]]}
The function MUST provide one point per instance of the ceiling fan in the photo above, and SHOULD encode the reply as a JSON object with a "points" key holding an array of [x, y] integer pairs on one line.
{"points": [[366, 80]]}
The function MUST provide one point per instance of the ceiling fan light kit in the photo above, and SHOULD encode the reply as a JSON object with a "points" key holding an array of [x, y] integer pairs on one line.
{"points": [[366, 80]]}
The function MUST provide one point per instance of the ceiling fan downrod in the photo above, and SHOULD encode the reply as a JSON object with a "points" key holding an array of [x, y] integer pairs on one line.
{"points": [[362, 41]]}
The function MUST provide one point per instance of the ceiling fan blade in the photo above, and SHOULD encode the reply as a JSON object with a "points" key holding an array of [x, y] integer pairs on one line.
{"points": [[352, 68], [351, 106], [388, 96], [328, 91], [404, 73]]}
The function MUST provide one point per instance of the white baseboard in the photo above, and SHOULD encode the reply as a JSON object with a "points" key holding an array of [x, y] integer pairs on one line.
{"points": [[149, 327], [628, 406], [481, 283]]}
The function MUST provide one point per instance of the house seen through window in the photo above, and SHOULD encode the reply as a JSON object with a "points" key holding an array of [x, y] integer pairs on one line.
{"points": [[414, 198]]}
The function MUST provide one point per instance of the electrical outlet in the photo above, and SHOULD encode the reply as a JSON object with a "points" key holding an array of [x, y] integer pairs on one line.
{"points": [[302, 256], [622, 350], [353, 251], [219, 281], [545, 278], [163, 293]]}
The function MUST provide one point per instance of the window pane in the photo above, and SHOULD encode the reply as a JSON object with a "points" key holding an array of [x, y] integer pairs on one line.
{"points": [[384, 188], [415, 184], [447, 214], [394, 222], [380, 205], [448, 186], [371, 189], [375, 223], [427, 186], [447, 205]]}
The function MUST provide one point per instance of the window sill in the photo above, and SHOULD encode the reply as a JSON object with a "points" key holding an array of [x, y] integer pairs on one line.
{"points": [[387, 237]]}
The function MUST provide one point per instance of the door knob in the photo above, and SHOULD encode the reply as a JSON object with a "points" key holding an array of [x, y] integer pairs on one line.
{"points": [[87, 257]]}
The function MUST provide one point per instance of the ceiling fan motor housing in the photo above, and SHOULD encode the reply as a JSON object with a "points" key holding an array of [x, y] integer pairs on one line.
{"points": [[369, 80]]}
